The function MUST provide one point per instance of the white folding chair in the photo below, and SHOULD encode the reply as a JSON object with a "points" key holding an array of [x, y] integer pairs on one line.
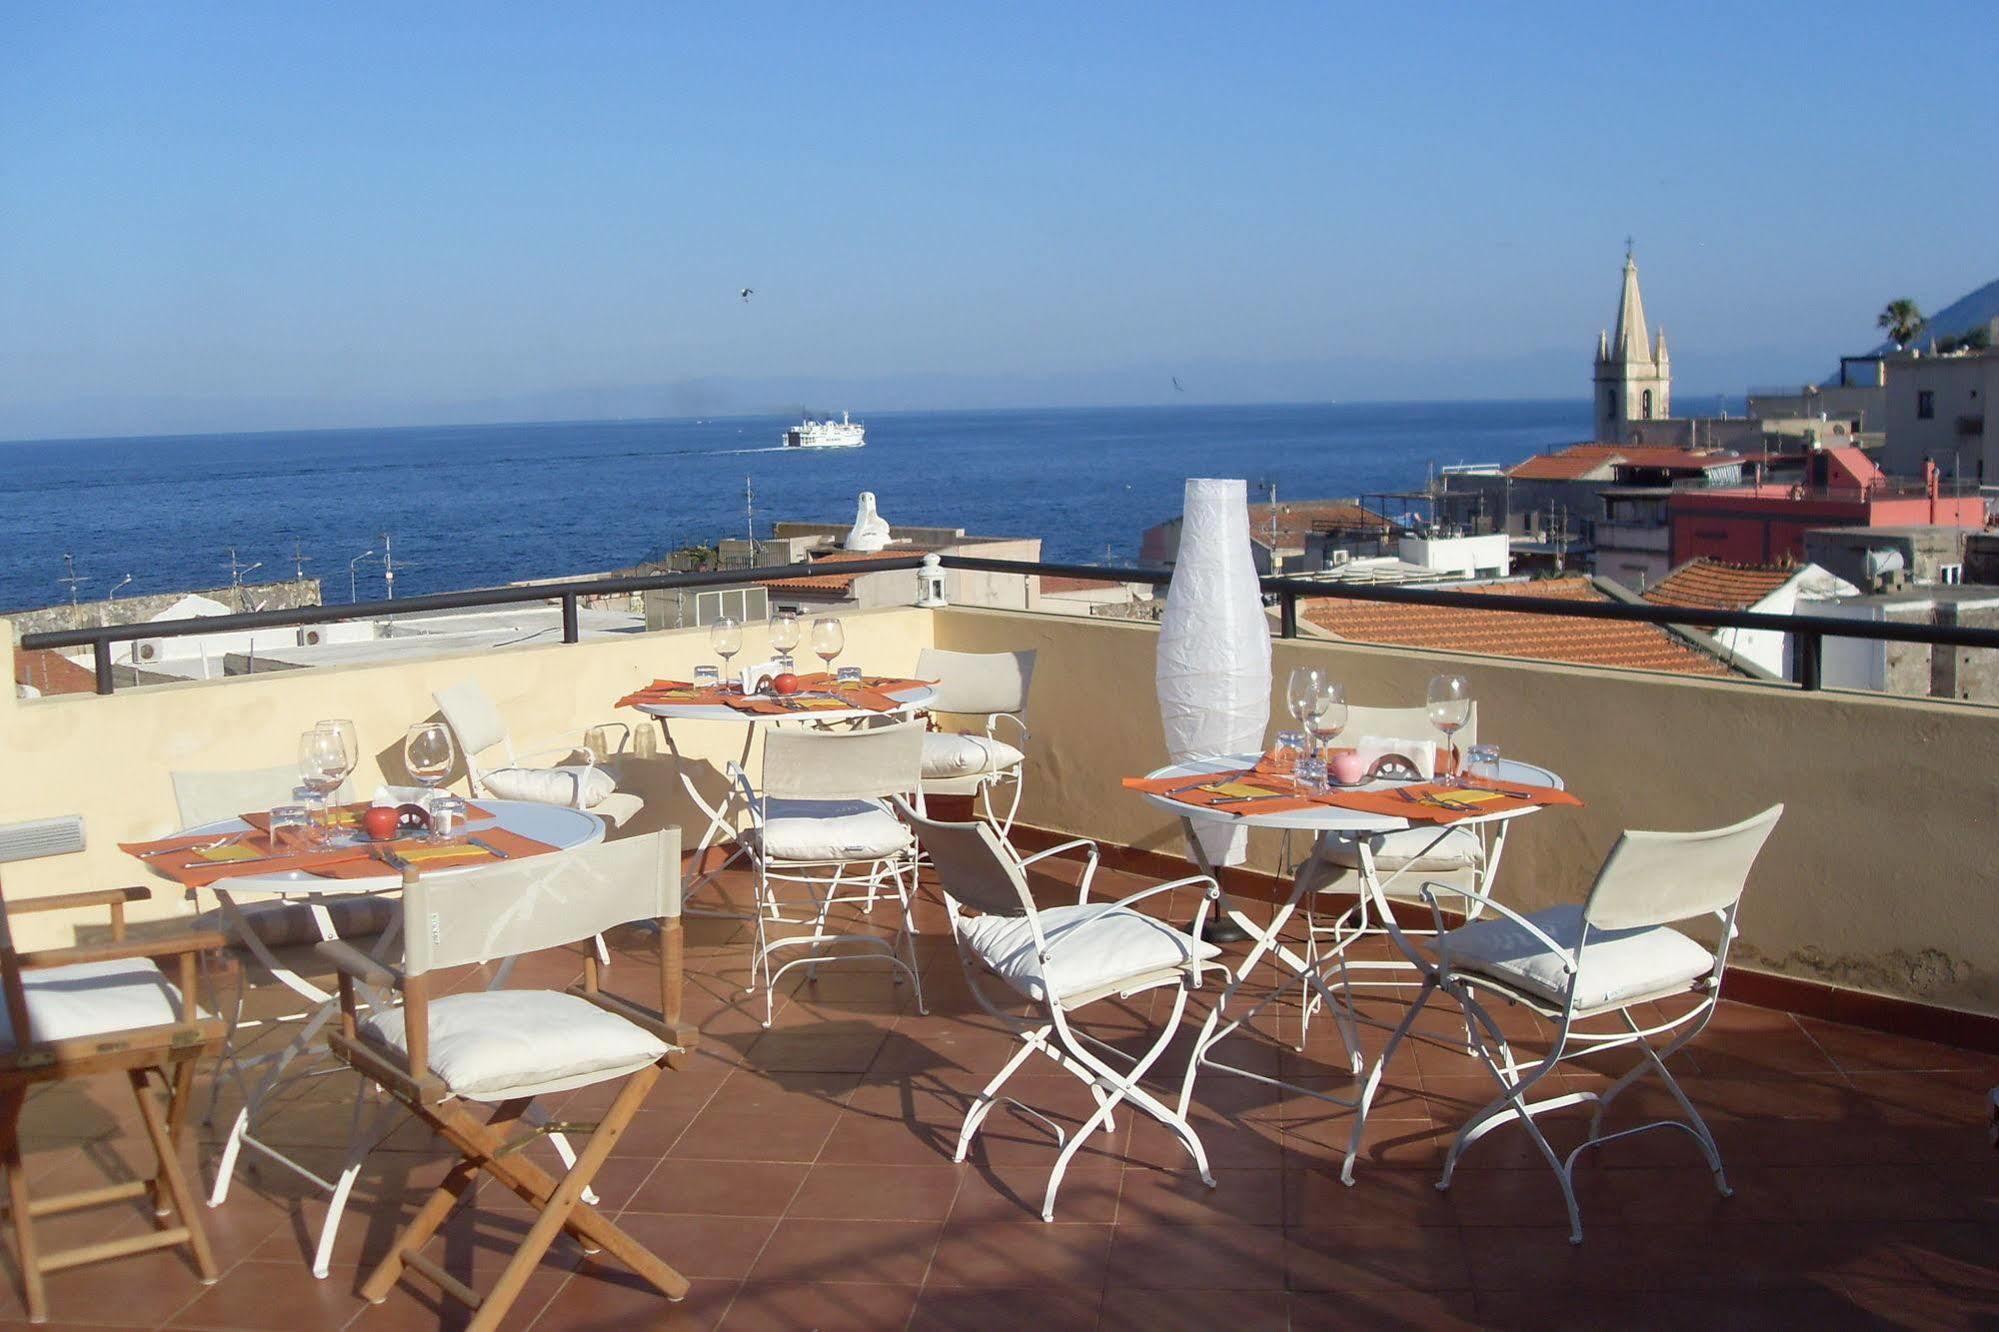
{"points": [[1573, 964], [983, 685], [1062, 959], [576, 780], [436, 1055], [821, 811], [1462, 857]]}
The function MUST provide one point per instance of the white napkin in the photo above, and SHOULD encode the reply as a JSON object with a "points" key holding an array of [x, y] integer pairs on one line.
{"points": [[1422, 754], [391, 796], [763, 670]]}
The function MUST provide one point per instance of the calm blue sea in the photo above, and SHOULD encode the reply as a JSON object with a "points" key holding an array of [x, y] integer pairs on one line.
{"points": [[475, 505]]}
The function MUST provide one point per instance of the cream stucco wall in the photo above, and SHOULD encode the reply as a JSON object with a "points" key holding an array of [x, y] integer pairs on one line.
{"points": [[108, 759], [1881, 876]]}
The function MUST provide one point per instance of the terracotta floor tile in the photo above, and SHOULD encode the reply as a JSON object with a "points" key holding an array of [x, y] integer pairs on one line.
{"points": [[844, 1307], [1015, 1253], [1198, 1257], [814, 1250], [616, 1299], [279, 1296], [695, 1246], [720, 1188], [1379, 1196], [1376, 1258], [1129, 1309], [1178, 1197], [982, 1309], [840, 1191], [1089, 1193]]}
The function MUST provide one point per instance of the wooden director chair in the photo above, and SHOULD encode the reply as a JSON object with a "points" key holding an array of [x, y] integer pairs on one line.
{"points": [[99, 1008], [505, 1048]]}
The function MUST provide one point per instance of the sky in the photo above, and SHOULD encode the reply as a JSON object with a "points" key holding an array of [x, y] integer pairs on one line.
{"points": [[256, 217]]}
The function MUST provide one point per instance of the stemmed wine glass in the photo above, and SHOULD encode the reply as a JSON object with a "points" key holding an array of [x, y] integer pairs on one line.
{"points": [[784, 634], [1450, 709], [322, 766], [726, 637], [829, 639], [1331, 717], [428, 755], [1303, 695]]}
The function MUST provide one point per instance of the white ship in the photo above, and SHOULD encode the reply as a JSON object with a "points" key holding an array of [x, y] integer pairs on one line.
{"points": [[827, 434]]}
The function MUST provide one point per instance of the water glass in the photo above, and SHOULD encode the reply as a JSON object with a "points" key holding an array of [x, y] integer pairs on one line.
{"points": [[1312, 775], [291, 827], [1482, 765], [316, 819], [447, 816], [707, 677], [848, 675], [1290, 748]]}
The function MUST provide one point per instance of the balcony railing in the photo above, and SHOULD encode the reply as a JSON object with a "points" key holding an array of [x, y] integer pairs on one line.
{"points": [[1807, 632]]}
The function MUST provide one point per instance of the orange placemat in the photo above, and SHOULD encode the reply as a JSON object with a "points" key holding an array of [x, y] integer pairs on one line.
{"points": [[1236, 791], [870, 692], [348, 817], [196, 862], [1427, 802], [427, 856]]}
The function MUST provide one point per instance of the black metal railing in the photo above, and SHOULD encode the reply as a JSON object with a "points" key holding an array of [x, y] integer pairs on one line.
{"points": [[1808, 632]]}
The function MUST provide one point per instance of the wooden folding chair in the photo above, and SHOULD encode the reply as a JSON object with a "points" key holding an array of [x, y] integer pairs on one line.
{"points": [[99, 1008], [504, 1048]]}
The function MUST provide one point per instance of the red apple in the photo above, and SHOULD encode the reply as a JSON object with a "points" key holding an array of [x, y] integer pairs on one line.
{"points": [[786, 683], [380, 822]]}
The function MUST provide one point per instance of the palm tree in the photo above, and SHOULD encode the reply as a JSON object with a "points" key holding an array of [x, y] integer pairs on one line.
{"points": [[1902, 320]]}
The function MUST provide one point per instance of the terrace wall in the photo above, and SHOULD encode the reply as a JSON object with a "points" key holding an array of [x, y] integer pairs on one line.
{"points": [[1880, 878]]}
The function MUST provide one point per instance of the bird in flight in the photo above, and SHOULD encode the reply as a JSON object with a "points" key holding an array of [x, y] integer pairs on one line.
{"points": [[747, 293], [1176, 384]]}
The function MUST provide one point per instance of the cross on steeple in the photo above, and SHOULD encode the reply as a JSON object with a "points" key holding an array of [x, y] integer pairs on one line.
{"points": [[1627, 247]]}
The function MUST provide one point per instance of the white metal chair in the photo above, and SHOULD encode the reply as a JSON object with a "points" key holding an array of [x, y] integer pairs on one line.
{"points": [[988, 685], [821, 811], [438, 1054], [1573, 964], [1463, 857], [577, 780], [1062, 959]]}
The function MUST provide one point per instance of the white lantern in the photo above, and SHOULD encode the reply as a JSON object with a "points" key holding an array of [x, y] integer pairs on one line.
{"points": [[1213, 672]]}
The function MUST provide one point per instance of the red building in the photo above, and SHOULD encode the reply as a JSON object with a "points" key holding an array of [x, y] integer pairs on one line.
{"points": [[1766, 523]]}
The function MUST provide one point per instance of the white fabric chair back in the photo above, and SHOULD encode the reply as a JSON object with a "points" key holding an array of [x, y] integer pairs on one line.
{"points": [[204, 797], [977, 682], [473, 717], [842, 765], [1655, 878], [1403, 724], [537, 902], [974, 867]]}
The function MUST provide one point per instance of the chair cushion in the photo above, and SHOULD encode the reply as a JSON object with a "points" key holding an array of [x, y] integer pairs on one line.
{"points": [[89, 998], [822, 831], [495, 1045], [1094, 945], [1460, 849], [950, 754], [551, 786], [1616, 965], [618, 807], [282, 924]]}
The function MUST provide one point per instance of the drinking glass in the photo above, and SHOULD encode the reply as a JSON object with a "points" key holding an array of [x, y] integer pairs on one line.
{"points": [[1312, 775], [707, 676], [290, 828], [847, 675], [783, 632], [314, 804], [1331, 717], [1450, 709], [447, 817], [1301, 695], [427, 756], [1482, 765], [829, 638], [322, 766], [350, 748], [726, 637], [1284, 757]]}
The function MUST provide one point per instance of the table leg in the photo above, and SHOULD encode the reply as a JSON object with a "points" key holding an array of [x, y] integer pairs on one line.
{"points": [[1225, 924], [719, 828]]}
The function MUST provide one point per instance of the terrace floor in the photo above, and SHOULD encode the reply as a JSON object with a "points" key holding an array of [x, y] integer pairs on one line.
{"points": [[802, 1178]]}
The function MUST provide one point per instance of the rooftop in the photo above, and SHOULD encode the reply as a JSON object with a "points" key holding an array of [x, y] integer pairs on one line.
{"points": [[1718, 585], [1579, 462], [1515, 633]]}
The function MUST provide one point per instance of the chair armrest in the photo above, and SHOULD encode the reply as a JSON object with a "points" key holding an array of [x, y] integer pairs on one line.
{"points": [[65, 901], [169, 945], [1089, 863], [1539, 935], [353, 962], [1020, 725], [1124, 904]]}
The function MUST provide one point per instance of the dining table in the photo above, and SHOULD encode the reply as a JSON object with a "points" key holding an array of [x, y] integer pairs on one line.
{"points": [[1230, 790]]}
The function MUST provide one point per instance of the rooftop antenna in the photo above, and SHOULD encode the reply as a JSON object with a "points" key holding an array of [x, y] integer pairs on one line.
{"points": [[389, 567], [236, 571], [299, 558], [750, 514], [74, 581]]}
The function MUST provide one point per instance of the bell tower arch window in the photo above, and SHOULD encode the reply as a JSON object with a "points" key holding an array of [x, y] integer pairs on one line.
{"points": [[1646, 408]]}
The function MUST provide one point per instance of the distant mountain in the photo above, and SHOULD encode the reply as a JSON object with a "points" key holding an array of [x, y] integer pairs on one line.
{"points": [[1956, 319]]}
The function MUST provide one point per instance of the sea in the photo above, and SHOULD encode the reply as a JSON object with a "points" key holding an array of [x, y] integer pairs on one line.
{"points": [[475, 505]]}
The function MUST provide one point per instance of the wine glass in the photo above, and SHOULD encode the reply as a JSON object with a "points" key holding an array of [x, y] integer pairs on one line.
{"points": [[322, 766], [1301, 695], [784, 634], [1450, 709], [829, 639], [428, 755], [726, 637], [1331, 717]]}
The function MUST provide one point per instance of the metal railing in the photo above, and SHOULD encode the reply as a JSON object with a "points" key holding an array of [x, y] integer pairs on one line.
{"points": [[1808, 632]]}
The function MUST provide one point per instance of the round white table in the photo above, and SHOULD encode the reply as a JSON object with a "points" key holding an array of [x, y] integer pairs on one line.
{"points": [[1329, 825], [721, 828]]}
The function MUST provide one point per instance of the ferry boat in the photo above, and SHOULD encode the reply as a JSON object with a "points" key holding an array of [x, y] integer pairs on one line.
{"points": [[827, 434]]}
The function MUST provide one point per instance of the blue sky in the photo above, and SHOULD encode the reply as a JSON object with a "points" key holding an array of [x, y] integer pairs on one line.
{"points": [[251, 216]]}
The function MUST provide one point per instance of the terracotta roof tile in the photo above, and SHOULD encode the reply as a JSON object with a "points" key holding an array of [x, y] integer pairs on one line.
{"points": [[1297, 517], [834, 582], [51, 672], [1516, 633], [1578, 461], [1567, 465], [1713, 585]]}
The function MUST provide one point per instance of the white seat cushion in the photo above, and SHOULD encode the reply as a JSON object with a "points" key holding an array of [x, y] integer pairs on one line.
{"points": [[948, 754], [496, 1045], [1092, 946], [830, 831], [1410, 849], [1616, 966], [551, 786], [618, 807], [89, 998]]}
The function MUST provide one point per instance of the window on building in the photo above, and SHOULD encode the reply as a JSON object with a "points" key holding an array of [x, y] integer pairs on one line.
{"points": [[1950, 573], [742, 604], [1646, 409], [1926, 405], [1610, 404]]}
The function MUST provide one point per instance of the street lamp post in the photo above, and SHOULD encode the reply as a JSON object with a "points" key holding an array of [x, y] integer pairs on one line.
{"points": [[353, 591]]}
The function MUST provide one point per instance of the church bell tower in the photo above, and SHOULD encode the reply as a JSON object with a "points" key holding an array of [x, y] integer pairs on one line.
{"points": [[1634, 380]]}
